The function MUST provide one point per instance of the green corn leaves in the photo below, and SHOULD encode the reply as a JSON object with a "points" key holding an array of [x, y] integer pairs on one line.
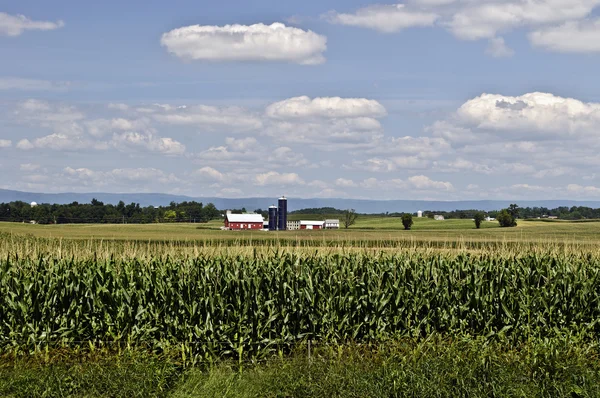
{"points": [[262, 304]]}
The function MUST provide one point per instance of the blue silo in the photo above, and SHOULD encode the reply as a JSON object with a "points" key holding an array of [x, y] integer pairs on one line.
{"points": [[273, 218], [282, 214]]}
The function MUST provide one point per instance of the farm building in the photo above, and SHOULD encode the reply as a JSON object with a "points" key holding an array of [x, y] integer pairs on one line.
{"points": [[438, 218], [312, 224], [332, 224], [243, 221], [293, 225]]}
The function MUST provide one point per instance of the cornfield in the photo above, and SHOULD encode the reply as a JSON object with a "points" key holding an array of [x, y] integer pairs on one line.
{"points": [[216, 305]]}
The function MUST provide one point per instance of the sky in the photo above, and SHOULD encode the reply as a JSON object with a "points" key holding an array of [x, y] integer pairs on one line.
{"points": [[425, 99]]}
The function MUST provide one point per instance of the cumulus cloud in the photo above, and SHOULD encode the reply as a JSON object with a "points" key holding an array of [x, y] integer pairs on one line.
{"points": [[485, 19], [390, 164], [425, 183], [275, 178], [385, 18], [329, 107], [15, 25], [61, 142], [497, 48], [259, 42], [571, 37], [5, 143], [148, 141], [208, 174], [29, 167], [345, 183], [538, 114], [322, 122], [557, 25], [583, 190], [209, 117]]}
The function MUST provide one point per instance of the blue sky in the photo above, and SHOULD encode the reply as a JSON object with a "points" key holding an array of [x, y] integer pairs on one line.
{"points": [[427, 99]]}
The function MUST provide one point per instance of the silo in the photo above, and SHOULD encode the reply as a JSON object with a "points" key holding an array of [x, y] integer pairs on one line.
{"points": [[420, 214], [282, 214], [273, 218]]}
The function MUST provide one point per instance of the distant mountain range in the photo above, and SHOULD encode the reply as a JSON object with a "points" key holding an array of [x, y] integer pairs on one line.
{"points": [[361, 206]]}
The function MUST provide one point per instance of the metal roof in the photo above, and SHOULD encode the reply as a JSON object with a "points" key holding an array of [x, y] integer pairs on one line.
{"points": [[332, 221], [312, 222], [250, 218]]}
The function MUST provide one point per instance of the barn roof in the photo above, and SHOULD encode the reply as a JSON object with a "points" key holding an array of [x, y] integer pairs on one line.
{"points": [[312, 222], [249, 218]]}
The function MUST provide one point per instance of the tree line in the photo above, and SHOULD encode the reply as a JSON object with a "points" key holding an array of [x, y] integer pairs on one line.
{"points": [[98, 212]]}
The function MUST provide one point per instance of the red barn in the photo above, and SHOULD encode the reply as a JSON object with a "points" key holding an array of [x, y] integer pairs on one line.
{"points": [[243, 221], [312, 224]]}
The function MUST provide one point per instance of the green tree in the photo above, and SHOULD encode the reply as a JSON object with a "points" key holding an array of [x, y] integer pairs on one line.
{"points": [[170, 216], [407, 221], [349, 218], [506, 220], [514, 210], [479, 217]]}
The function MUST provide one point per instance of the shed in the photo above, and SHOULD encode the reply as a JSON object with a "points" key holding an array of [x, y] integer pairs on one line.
{"points": [[244, 221], [332, 224], [312, 224]]}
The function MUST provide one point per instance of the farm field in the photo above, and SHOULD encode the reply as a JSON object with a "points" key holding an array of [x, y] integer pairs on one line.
{"points": [[163, 310], [366, 228]]}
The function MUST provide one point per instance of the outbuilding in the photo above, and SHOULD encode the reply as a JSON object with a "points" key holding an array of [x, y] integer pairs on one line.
{"points": [[312, 224], [332, 224], [243, 221]]}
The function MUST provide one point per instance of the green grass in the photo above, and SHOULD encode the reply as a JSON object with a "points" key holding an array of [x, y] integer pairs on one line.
{"points": [[366, 229], [436, 368], [112, 376]]}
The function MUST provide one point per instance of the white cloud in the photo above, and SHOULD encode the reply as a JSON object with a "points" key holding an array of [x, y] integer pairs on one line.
{"points": [[61, 142], [534, 113], [61, 119], [118, 106], [328, 107], [386, 165], [583, 190], [15, 83], [326, 123], [497, 48], [571, 37], [421, 147], [209, 117], [241, 144], [15, 25], [345, 183], [5, 143], [25, 144], [384, 18], [557, 25], [286, 156], [148, 141], [258, 42], [102, 127], [483, 20], [425, 183], [208, 174], [29, 167], [275, 178]]}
